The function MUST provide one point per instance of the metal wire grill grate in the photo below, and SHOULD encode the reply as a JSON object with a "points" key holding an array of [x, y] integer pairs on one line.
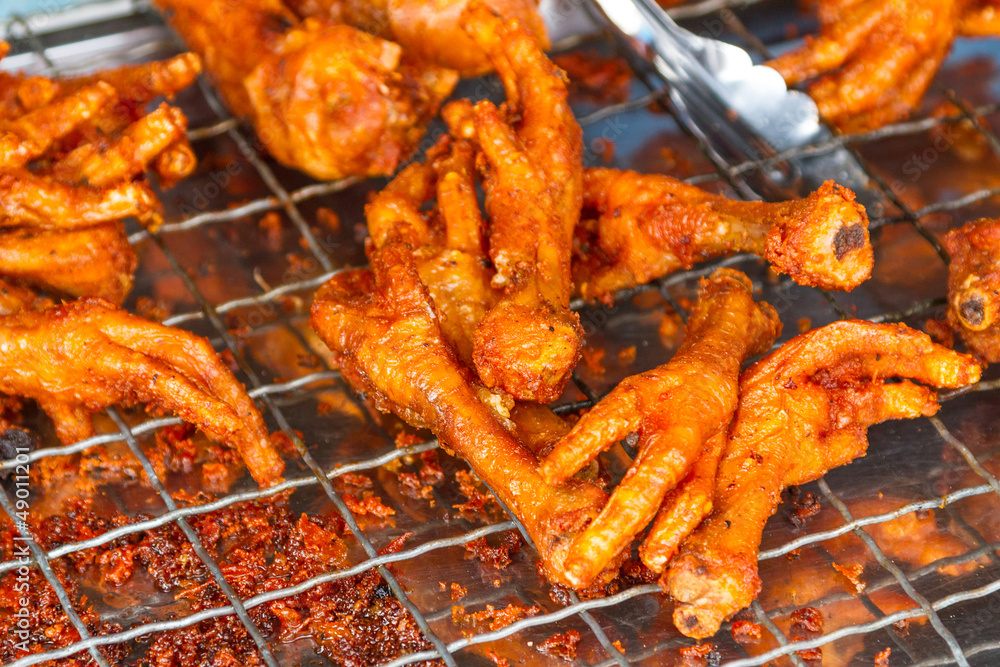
{"points": [[287, 194]]}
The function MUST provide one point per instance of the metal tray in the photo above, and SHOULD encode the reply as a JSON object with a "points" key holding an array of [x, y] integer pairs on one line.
{"points": [[210, 265]]}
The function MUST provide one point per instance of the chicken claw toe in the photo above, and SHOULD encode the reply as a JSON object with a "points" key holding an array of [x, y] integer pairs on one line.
{"points": [[88, 354], [803, 410]]}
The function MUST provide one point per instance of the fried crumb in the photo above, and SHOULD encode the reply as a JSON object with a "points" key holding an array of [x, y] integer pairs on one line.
{"points": [[695, 656], [626, 356], [670, 325], [804, 506], [457, 592], [328, 219], [410, 485], [561, 646], [270, 228], [406, 439], [480, 501], [804, 324], [153, 309], [604, 148], [882, 657], [852, 573], [497, 660], [491, 617], [807, 619], [368, 505], [902, 627], [746, 633], [675, 163], [592, 359], [497, 557]]}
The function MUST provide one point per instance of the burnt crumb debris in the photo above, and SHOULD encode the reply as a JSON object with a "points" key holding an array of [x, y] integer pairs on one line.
{"points": [[260, 546]]}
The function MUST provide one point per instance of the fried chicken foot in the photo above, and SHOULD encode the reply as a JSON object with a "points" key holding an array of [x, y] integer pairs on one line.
{"points": [[327, 99], [877, 57], [129, 154], [803, 410], [974, 286], [27, 199], [675, 409], [29, 136], [649, 225], [96, 261], [531, 160], [385, 333], [88, 355], [428, 30], [136, 86]]}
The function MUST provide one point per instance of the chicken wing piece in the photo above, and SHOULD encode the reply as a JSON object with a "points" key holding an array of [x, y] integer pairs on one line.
{"points": [[648, 225], [96, 261], [27, 137], [531, 161], [29, 199], [87, 355], [877, 57], [327, 99], [803, 410], [128, 154], [674, 409], [974, 286], [385, 333], [429, 30]]}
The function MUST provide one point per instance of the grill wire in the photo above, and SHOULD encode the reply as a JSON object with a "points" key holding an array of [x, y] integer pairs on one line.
{"points": [[24, 39]]}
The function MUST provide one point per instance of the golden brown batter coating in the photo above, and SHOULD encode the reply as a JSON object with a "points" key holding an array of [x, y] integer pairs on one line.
{"points": [[875, 59], [675, 410], [95, 261], [87, 355], [532, 167], [385, 333], [803, 410], [327, 99], [649, 225], [974, 286]]}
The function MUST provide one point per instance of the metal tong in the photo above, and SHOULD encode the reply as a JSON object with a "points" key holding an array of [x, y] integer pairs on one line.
{"points": [[744, 113]]}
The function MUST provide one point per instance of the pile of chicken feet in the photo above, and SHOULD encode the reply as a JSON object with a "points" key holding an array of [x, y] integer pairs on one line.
{"points": [[74, 155], [462, 326]]}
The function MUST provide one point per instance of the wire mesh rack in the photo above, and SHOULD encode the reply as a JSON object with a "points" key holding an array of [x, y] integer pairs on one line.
{"points": [[209, 264]]}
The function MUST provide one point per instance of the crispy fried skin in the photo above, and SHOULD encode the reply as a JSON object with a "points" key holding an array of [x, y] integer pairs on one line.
{"points": [[675, 409], [87, 355], [384, 331], [974, 286], [803, 410], [876, 58], [30, 200], [96, 261], [648, 225], [532, 166], [428, 30], [327, 99]]}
